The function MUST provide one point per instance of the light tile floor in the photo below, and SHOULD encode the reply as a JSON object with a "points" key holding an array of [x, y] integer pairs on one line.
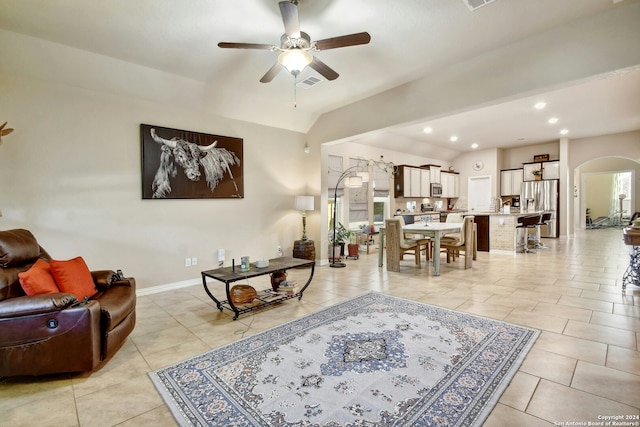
{"points": [[585, 364]]}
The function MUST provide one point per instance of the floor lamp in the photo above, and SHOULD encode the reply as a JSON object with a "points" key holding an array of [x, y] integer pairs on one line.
{"points": [[353, 177], [351, 180]]}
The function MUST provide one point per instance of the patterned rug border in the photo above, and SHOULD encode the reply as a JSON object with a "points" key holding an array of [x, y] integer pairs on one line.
{"points": [[302, 324]]}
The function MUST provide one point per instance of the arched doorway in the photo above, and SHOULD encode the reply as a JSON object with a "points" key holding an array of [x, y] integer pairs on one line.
{"points": [[597, 190]]}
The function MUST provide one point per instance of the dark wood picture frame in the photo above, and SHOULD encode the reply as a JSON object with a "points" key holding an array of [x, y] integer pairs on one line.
{"points": [[541, 158], [180, 164]]}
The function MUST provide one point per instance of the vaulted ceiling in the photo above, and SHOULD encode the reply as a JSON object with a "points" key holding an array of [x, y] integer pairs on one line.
{"points": [[409, 39]]}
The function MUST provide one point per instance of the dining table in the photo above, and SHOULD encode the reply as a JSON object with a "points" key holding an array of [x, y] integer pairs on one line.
{"points": [[435, 230]]}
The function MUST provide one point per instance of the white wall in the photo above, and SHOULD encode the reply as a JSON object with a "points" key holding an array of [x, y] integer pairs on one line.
{"points": [[71, 173]]}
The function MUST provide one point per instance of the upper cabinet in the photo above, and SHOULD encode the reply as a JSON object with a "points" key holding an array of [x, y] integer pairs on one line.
{"points": [[435, 174], [416, 182], [408, 182], [548, 170], [411, 181], [529, 170], [450, 184], [510, 182], [425, 182], [551, 170]]}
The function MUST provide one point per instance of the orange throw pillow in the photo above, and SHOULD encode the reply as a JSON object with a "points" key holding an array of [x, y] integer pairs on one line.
{"points": [[38, 280], [73, 277]]}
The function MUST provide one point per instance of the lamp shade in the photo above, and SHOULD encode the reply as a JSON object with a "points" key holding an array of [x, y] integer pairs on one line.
{"points": [[304, 203], [353, 182], [364, 176], [294, 60]]}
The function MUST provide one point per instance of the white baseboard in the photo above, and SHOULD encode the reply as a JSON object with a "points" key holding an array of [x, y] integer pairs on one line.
{"points": [[167, 287]]}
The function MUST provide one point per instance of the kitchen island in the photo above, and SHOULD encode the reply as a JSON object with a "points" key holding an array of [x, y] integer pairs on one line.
{"points": [[501, 236]]}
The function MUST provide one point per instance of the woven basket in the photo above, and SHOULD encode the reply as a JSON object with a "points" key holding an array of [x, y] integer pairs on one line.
{"points": [[242, 294]]}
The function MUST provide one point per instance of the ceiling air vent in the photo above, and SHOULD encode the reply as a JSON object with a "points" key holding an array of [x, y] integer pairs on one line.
{"points": [[474, 4], [309, 82]]}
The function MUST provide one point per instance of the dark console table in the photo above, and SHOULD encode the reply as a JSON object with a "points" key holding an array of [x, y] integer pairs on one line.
{"points": [[228, 275], [631, 237]]}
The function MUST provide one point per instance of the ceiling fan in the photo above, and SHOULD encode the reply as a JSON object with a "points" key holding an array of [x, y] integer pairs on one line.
{"points": [[295, 46]]}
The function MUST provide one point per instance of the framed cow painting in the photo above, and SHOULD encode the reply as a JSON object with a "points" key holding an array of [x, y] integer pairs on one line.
{"points": [[180, 164]]}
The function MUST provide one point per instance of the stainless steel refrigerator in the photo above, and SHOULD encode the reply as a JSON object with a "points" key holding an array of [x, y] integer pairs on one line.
{"points": [[542, 196]]}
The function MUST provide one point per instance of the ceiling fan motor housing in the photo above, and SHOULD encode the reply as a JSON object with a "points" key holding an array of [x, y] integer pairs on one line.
{"points": [[304, 42]]}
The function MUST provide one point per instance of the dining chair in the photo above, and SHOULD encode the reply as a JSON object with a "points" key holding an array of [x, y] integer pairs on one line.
{"points": [[454, 245], [424, 243], [397, 245], [453, 217]]}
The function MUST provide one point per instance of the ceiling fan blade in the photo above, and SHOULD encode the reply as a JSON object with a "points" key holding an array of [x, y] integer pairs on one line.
{"points": [[290, 19], [228, 45], [343, 41], [323, 69], [273, 71]]}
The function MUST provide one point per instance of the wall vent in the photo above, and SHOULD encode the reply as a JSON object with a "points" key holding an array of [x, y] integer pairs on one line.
{"points": [[474, 4], [309, 82]]}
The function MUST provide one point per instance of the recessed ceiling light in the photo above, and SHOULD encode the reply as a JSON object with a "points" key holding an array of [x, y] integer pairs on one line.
{"points": [[427, 129], [540, 105], [453, 138], [474, 145], [564, 131], [553, 120]]}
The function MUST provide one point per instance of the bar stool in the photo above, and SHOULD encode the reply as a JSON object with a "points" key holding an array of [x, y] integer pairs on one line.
{"points": [[522, 233], [544, 220]]}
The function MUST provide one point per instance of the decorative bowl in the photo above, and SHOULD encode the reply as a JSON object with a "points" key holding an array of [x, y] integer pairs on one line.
{"points": [[242, 294], [262, 263]]}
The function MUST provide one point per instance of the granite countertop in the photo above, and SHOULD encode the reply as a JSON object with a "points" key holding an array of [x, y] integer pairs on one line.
{"points": [[512, 213]]}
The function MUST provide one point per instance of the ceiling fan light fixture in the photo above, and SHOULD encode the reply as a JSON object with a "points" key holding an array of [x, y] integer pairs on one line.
{"points": [[295, 60]]}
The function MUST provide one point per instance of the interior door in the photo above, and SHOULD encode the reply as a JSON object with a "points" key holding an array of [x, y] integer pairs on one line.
{"points": [[479, 194]]}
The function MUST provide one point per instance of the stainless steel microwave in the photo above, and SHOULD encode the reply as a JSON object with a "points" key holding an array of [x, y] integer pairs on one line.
{"points": [[436, 190]]}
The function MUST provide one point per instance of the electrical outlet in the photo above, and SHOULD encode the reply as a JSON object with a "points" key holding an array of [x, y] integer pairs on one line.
{"points": [[194, 261], [187, 262]]}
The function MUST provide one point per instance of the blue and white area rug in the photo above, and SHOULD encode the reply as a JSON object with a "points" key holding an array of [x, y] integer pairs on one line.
{"points": [[374, 360]]}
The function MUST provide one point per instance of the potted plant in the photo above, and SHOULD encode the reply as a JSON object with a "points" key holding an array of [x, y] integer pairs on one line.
{"points": [[352, 246], [340, 238], [537, 174]]}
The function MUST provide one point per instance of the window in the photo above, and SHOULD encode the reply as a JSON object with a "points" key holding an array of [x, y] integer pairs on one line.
{"points": [[380, 209], [619, 206]]}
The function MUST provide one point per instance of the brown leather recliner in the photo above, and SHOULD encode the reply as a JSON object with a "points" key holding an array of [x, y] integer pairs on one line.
{"points": [[54, 332]]}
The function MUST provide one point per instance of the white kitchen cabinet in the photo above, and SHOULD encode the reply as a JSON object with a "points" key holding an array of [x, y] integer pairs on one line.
{"points": [[425, 183], [407, 182], [434, 174], [416, 178], [450, 184], [528, 169], [510, 182], [456, 185], [551, 170]]}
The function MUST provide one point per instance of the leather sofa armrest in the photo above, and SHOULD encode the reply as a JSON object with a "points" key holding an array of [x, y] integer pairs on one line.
{"points": [[103, 279], [36, 304], [127, 281]]}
